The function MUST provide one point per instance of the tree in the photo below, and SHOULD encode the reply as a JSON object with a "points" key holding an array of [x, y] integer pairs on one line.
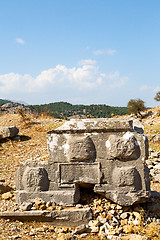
{"points": [[136, 106], [157, 97]]}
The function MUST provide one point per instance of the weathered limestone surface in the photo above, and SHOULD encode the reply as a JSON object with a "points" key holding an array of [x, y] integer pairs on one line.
{"points": [[105, 154], [67, 217], [9, 132]]}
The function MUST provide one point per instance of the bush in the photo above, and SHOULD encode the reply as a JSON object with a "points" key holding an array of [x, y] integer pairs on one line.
{"points": [[136, 106], [157, 97], [25, 119]]}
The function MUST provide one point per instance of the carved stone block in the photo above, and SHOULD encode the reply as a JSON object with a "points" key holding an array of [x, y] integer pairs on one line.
{"points": [[79, 173], [125, 147], [35, 179], [107, 155], [81, 148], [125, 176]]}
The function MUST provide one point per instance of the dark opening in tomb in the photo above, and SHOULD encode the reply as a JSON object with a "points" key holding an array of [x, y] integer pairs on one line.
{"points": [[87, 194]]}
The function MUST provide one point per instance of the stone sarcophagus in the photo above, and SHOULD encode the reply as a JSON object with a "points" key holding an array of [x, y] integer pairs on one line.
{"points": [[107, 155]]}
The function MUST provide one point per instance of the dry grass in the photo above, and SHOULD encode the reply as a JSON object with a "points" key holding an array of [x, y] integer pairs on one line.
{"points": [[152, 231]]}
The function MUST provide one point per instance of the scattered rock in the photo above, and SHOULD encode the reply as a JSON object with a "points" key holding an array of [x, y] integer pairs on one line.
{"points": [[67, 236], [94, 229], [124, 215], [101, 220], [7, 195], [16, 237], [80, 229], [138, 126], [9, 132], [48, 204], [83, 235], [156, 138], [134, 237], [40, 205], [26, 206], [154, 154], [79, 205]]}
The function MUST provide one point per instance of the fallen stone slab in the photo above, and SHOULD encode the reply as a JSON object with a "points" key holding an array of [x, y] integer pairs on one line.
{"points": [[67, 217], [9, 132]]}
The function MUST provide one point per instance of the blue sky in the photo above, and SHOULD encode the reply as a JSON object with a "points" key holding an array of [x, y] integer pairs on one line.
{"points": [[80, 51]]}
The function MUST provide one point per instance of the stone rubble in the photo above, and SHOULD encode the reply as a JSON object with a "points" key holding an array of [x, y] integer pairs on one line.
{"points": [[109, 220], [7, 195], [153, 163]]}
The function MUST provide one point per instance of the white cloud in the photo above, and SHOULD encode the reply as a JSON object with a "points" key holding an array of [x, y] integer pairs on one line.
{"points": [[20, 40], [151, 88], [85, 77], [104, 52], [116, 81]]}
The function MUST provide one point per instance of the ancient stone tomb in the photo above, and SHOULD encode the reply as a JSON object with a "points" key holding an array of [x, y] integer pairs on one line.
{"points": [[107, 155]]}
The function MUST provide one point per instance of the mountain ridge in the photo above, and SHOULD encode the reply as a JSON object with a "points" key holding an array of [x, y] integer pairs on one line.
{"points": [[65, 110]]}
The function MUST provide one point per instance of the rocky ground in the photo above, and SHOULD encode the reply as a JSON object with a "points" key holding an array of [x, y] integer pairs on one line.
{"points": [[110, 221]]}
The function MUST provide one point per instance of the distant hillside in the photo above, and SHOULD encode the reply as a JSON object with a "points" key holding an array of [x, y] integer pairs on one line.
{"points": [[66, 110], [7, 106], [3, 101]]}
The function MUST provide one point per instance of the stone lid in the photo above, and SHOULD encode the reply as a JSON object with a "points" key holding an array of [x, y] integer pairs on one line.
{"points": [[94, 124]]}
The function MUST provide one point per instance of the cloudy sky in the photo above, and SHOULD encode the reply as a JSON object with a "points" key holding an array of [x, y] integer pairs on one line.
{"points": [[80, 51]]}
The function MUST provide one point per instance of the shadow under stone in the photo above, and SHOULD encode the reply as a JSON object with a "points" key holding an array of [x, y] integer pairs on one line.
{"points": [[24, 138]]}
